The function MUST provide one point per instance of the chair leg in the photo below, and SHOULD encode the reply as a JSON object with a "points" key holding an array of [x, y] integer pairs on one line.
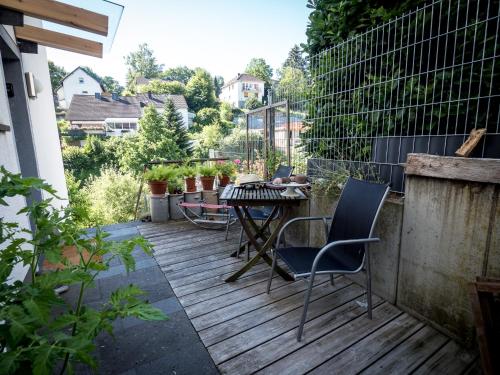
{"points": [[368, 289], [332, 281], [306, 306], [270, 280]]}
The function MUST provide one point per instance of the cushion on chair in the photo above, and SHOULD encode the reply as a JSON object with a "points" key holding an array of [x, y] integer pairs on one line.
{"points": [[300, 260]]}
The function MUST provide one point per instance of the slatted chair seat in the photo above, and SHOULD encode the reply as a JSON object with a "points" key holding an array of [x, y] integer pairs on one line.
{"points": [[300, 260], [206, 218]]}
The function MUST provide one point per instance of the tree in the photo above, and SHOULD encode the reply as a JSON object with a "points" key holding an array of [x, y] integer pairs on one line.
{"points": [[295, 60], [157, 86], [205, 117], [154, 140], [210, 137], [179, 73], [292, 81], [253, 103], [173, 121], [142, 63], [200, 91], [57, 73], [218, 83], [226, 112], [260, 69]]}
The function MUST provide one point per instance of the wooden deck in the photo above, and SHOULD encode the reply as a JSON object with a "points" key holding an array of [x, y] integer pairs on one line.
{"points": [[247, 331]]}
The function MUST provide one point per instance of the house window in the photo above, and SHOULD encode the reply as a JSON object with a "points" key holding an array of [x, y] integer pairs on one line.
{"points": [[85, 92], [245, 94], [80, 80]]}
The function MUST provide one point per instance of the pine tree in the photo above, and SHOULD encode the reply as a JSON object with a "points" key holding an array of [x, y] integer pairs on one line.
{"points": [[295, 59], [173, 121]]}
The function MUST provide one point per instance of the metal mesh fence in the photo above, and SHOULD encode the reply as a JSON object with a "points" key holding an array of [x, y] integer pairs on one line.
{"points": [[419, 83]]}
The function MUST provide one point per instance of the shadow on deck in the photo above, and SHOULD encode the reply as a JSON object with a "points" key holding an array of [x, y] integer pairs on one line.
{"points": [[247, 331]]}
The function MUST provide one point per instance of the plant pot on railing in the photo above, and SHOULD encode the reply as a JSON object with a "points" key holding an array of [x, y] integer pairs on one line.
{"points": [[158, 187], [190, 184], [158, 177], [189, 174], [207, 178], [224, 180]]}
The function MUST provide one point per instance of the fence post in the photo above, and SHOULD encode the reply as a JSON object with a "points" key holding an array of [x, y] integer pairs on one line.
{"points": [[288, 150]]}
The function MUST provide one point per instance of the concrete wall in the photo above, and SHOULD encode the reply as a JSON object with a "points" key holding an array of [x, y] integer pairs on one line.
{"points": [[450, 235]]}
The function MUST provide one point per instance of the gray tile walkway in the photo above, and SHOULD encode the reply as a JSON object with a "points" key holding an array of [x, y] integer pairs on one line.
{"points": [[138, 347]]}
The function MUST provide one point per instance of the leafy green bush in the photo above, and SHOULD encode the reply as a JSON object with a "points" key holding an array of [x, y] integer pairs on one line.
{"points": [[188, 171], [39, 332], [225, 169], [175, 186], [79, 202], [113, 195], [161, 173], [207, 171]]}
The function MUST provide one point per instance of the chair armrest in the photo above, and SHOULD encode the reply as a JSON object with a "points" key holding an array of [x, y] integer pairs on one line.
{"points": [[305, 218], [331, 245]]}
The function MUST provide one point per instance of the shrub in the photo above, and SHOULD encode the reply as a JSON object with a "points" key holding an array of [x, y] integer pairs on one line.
{"points": [[40, 333], [113, 196], [188, 171], [161, 173], [226, 169], [207, 171]]}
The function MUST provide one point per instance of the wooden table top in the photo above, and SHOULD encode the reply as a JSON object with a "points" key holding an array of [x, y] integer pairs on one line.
{"points": [[236, 196]]}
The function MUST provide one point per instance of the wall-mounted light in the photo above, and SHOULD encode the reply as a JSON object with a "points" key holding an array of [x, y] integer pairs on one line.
{"points": [[30, 84]]}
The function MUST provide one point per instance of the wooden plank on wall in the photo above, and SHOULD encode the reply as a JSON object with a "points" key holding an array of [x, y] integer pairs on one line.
{"points": [[454, 168], [58, 40], [61, 13]]}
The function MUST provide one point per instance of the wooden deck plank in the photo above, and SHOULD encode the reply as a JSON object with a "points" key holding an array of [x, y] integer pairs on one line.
{"points": [[230, 346], [451, 359], [277, 349], [247, 305], [371, 348], [415, 350], [247, 331], [263, 320], [232, 297]]}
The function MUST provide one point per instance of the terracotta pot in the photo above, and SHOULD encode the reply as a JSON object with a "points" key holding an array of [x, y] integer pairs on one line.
{"points": [[207, 182], [190, 184], [72, 256], [224, 180], [158, 187]]}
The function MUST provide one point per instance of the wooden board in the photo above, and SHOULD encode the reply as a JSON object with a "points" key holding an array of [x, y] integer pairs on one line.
{"points": [[58, 40], [471, 142], [61, 13], [454, 168], [248, 331]]}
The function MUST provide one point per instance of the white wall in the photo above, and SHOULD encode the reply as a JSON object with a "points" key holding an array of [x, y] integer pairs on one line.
{"points": [[72, 86], [43, 122], [233, 93], [9, 159]]}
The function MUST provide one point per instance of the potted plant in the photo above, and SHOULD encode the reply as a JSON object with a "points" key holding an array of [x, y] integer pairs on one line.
{"points": [[189, 174], [207, 174], [158, 177], [175, 196], [225, 171]]}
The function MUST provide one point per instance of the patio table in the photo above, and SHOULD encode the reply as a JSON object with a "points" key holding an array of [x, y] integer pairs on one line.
{"points": [[241, 198]]}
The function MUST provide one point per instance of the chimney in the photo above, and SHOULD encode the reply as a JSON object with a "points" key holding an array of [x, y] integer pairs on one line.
{"points": [[114, 96], [98, 95], [149, 94]]}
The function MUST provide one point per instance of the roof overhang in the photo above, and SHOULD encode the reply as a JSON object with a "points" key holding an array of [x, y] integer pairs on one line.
{"points": [[68, 26]]}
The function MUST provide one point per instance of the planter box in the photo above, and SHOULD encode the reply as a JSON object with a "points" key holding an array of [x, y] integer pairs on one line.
{"points": [[159, 208], [173, 201], [193, 198]]}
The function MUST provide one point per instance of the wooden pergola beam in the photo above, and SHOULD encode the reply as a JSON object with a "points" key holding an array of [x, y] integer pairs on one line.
{"points": [[58, 40], [61, 13]]}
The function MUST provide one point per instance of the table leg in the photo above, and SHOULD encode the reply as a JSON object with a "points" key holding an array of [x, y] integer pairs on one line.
{"points": [[259, 232], [261, 250]]}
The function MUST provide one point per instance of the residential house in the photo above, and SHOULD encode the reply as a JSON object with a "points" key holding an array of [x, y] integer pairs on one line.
{"points": [[78, 82], [114, 115], [242, 87]]}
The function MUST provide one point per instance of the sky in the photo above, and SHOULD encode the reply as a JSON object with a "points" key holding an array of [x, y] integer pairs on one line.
{"points": [[218, 35]]}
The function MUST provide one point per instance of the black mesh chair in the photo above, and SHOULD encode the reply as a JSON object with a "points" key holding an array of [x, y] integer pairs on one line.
{"points": [[346, 249]]}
